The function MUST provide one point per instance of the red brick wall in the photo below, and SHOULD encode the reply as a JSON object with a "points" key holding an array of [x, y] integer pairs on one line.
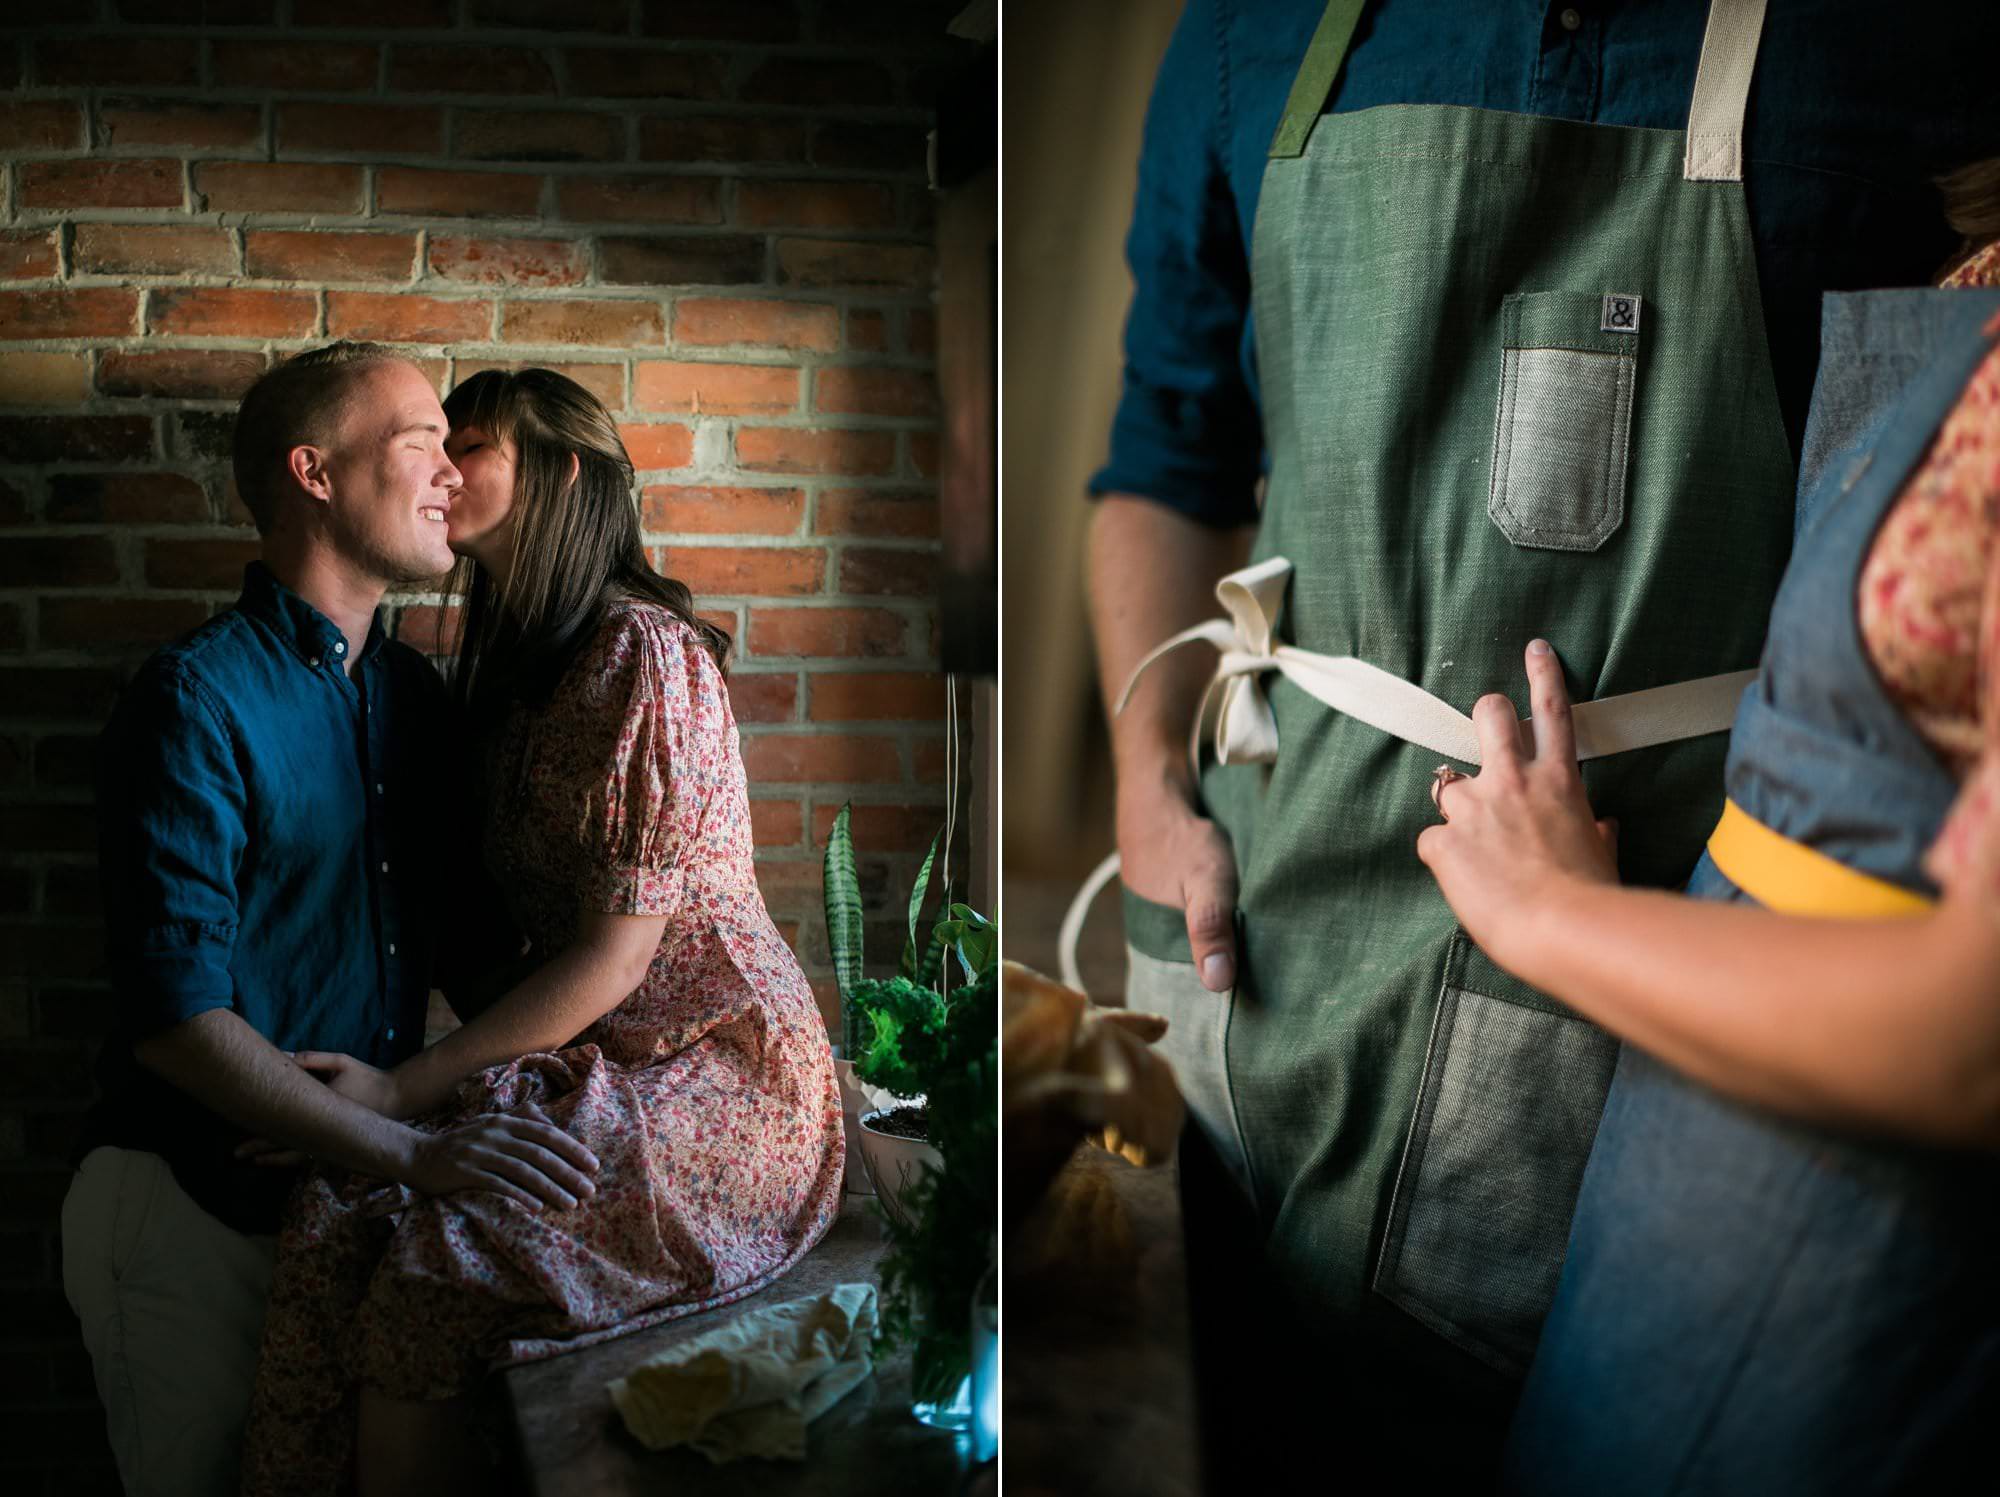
{"points": [[712, 214]]}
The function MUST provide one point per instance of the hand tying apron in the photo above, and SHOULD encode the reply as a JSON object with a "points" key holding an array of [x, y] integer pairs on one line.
{"points": [[1515, 382], [1750, 1304]]}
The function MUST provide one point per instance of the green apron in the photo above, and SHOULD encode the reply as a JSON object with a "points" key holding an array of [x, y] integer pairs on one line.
{"points": [[1515, 382]]}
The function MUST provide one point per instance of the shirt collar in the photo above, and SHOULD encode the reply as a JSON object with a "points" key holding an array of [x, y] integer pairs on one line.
{"points": [[310, 634]]}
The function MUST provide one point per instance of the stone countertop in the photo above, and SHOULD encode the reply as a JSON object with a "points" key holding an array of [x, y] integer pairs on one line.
{"points": [[573, 1442], [1097, 1374]]}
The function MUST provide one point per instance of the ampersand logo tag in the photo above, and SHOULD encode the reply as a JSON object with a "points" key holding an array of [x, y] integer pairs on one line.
{"points": [[1621, 313]]}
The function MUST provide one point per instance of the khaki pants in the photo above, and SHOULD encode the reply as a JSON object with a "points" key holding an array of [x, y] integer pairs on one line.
{"points": [[172, 1304]]}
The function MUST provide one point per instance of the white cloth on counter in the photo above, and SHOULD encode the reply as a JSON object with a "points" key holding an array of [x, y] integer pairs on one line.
{"points": [[750, 1388]]}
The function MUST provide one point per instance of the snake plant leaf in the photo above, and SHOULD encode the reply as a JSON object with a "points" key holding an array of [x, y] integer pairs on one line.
{"points": [[843, 904], [909, 964], [931, 968]]}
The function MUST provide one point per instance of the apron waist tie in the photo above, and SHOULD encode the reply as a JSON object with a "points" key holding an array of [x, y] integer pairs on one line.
{"points": [[1246, 732], [1794, 879]]}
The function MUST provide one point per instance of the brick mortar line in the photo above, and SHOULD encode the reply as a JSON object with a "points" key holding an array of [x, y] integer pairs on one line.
{"points": [[733, 356], [472, 33], [656, 106], [792, 420], [768, 355], [754, 169], [348, 220], [723, 356]]}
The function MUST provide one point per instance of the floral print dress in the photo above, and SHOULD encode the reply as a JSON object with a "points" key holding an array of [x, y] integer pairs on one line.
{"points": [[1929, 609], [708, 1095]]}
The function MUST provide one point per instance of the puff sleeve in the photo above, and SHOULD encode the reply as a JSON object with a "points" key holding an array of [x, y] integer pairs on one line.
{"points": [[669, 737]]}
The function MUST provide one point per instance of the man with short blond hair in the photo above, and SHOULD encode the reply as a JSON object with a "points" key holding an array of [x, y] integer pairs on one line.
{"points": [[284, 868]]}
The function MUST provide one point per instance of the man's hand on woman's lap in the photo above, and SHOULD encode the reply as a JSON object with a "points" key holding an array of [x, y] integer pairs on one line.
{"points": [[527, 1159]]}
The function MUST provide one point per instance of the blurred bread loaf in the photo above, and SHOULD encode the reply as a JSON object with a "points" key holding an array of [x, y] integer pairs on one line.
{"points": [[1071, 1070]]}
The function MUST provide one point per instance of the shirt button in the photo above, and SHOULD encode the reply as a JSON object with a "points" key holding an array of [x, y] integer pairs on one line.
{"points": [[1570, 19], [378, 787], [392, 1033], [314, 662], [392, 948], [385, 867], [340, 645]]}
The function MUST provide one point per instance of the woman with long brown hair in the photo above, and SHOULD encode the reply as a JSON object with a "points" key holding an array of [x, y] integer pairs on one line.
{"points": [[665, 1025]]}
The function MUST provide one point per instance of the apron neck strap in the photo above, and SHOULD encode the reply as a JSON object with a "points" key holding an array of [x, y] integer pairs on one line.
{"points": [[1722, 91], [1314, 83], [1715, 117]]}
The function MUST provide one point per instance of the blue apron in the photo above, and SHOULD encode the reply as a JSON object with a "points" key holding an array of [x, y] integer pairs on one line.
{"points": [[1749, 1304]]}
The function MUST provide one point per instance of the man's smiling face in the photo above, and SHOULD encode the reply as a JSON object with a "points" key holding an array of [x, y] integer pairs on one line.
{"points": [[392, 483]]}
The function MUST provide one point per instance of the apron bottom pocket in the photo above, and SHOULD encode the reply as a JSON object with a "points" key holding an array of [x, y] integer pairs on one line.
{"points": [[1479, 1220]]}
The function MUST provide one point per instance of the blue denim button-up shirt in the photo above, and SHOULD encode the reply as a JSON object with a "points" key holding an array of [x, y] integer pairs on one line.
{"points": [[1854, 111], [285, 840]]}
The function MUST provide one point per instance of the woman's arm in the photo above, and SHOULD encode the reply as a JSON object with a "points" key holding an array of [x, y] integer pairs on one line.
{"points": [[545, 1011], [551, 1007], [1889, 1023]]}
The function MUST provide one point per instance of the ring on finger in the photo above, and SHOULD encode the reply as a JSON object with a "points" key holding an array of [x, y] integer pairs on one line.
{"points": [[1442, 776]]}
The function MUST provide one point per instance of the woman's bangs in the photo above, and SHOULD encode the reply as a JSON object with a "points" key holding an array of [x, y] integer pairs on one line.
{"points": [[489, 400]]}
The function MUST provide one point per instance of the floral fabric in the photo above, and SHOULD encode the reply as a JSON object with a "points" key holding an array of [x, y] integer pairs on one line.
{"points": [[708, 1095], [1929, 608], [1929, 605]]}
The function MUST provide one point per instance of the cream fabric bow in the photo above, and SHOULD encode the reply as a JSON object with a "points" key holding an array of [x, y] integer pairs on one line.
{"points": [[1246, 732]]}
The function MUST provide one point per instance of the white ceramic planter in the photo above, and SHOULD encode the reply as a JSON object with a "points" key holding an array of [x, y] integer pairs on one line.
{"points": [[894, 1164], [857, 1097]]}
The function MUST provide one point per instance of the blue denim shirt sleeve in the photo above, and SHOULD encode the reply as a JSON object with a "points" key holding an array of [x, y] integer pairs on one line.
{"points": [[171, 829], [1187, 432]]}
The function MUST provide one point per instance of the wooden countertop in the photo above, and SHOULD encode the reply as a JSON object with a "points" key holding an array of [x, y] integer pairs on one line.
{"points": [[1097, 1361], [573, 1443]]}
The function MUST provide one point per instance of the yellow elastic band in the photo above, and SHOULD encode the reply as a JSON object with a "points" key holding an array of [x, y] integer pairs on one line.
{"points": [[1793, 879]]}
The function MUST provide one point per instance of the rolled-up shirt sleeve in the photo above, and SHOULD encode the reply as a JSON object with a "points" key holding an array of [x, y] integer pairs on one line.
{"points": [[171, 832], [1186, 432]]}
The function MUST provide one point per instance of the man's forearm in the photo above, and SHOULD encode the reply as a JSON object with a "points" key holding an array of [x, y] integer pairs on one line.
{"points": [[222, 1062], [1153, 573]]}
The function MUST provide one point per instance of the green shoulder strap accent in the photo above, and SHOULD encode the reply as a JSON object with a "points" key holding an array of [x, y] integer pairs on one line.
{"points": [[1324, 55]]}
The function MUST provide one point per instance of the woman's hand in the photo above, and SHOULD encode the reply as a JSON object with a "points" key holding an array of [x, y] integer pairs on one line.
{"points": [[356, 1080], [1520, 831]]}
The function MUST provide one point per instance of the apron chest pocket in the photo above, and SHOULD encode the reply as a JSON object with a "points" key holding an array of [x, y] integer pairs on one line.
{"points": [[1569, 362]]}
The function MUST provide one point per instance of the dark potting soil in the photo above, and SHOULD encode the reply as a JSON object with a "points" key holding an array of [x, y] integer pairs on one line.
{"points": [[912, 1120]]}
